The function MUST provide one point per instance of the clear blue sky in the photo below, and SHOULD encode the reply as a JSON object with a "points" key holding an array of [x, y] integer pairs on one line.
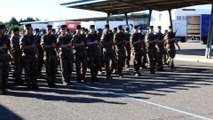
{"points": [[44, 9]]}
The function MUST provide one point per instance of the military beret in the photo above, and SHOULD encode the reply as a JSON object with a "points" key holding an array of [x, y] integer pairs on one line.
{"points": [[92, 26], [99, 29], [63, 26], [120, 27], [16, 29], [49, 26], [2, 26], [170, 27], [28, 25], [106, 26], [78, 27], [115, 29], [37, 29], [151, 27], [159, 27], [127, 28], [136, 27]]}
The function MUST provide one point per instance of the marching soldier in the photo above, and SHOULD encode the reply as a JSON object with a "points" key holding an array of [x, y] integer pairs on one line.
{"points": [[48, 44], [128, 47], [93, 52], [40, 55], [170, 46], [108, 51], [29, 54], [138, 49], [160, 48], [119, 40], [66, 55], [4, 59], [17, 56], [80, 53], [150, 47]]}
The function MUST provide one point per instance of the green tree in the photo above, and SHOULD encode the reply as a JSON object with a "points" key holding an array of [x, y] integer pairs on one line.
{"points": [[14, 21]]}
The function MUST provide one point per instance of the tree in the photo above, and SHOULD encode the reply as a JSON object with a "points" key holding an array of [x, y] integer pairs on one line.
{"points": [[14, 21], [28, 19]]}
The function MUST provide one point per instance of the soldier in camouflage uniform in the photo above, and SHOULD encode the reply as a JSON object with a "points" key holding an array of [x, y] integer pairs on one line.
{"points": [[119, 40], [108, 51], [136, 41], [128, 47], [48, 44], [160, 48], [17, 56], [93, 52], [66, 55], [40, 55], [29, 54], [80, 53], [4, 59], [170, 46], [150, 47]]}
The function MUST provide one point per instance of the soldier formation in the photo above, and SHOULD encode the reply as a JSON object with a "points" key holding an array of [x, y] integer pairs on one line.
{"points": [[96, 50]]}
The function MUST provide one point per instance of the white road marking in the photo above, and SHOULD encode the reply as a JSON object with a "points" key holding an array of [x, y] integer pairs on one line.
{"points": [[147, 102]]}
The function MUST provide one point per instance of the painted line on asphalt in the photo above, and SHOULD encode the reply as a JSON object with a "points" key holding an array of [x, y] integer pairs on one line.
{"points": [[147, 102]]}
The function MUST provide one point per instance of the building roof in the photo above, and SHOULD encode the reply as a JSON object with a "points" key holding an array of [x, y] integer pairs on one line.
{"points": [[127, 6]]}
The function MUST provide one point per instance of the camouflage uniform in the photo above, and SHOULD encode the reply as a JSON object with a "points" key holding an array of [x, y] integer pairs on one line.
{"points": [[108, 52], [17, 59], [138, 51], [170, 47], [80, 56], [119, 40], [40, 55], [128, 48], [30, 60], [50, 58], [4, 62], [151, 50], [160, 50], [94, 56], [66, 57]]}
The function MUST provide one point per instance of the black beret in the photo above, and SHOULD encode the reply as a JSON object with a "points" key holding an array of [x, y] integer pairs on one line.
{"points": [[49, 26], [16, 29], [127, 28], [170, 27], [99, 29], [92, 26], [115, 29], [106, 26], [136, 27], [63, 26], [159, 27], [2, 26], [37, 29], [78, 27], [28, 25], [151, 27], [120, 27]]}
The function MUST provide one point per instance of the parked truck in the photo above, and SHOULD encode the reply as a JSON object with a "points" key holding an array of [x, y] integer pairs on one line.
{"points": [[198, 27]]}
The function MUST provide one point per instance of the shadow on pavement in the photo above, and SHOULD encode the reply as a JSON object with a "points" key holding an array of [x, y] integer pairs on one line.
{"points": [[6, 114]]}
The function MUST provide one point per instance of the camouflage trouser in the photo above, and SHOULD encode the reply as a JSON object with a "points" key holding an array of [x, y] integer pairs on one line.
{"points": [[94, 62], [171, 55], [160, 60], [81, 66], [66, 62], [4, 67], [138, 55], [40, 60], [17, 65], [109, 55], [30, 68], [128, 50], [151, 56], [51, 68], [121, 61]]}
